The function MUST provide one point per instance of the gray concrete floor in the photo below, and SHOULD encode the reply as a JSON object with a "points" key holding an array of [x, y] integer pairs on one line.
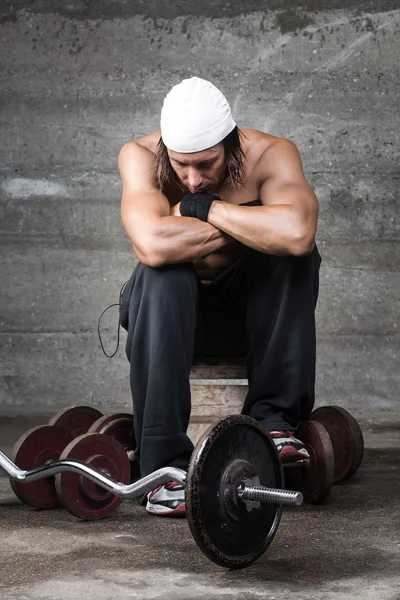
{"points": [[347, 548]]}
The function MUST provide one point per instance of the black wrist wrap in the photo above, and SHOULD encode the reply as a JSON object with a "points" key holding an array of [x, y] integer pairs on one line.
{"points": [[197, 205]]}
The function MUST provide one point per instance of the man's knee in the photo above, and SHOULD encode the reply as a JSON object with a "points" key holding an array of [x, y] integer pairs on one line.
{"points": [[179, 280], [159, 291]]}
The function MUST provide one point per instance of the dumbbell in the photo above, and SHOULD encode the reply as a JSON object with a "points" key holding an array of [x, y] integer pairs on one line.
{"points": [[85, 419], [120, 427], [44, 444], [233, 488], [76, 419], [48, 443], [335, 443], [346, 438]]}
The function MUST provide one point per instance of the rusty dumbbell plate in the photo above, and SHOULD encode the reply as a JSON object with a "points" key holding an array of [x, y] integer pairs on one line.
{"points": [[34, 449], [81, 496], [120, 427], [346, 437], [76, 419], [104, 420], [235, 449], [317, 479]]}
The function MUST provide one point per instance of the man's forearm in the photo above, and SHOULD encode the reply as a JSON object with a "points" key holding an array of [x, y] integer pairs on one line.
{"points": [[177, 239], [276, 229]]}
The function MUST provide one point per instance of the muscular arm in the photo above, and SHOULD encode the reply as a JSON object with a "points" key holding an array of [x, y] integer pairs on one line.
{"points": [[157, 237], [287, 221]]}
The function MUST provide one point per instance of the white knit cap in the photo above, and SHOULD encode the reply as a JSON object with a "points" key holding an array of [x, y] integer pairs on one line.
{"points": [[195, 116]]}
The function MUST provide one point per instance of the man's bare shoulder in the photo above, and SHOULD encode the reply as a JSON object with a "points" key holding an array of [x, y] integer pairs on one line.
{"points": [[143, 149], [259, 147], [150, 141], [260, 143], [136, 165], [271, 152]]}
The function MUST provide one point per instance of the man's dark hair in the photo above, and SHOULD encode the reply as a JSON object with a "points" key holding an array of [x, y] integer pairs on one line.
{"points": [[234, 162]]}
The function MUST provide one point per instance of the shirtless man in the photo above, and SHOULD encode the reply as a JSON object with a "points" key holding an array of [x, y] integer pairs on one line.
{"points": [[223, 223]]}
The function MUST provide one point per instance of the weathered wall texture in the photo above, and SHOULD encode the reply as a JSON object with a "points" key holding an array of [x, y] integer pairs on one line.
{"points": [[78, 81]]}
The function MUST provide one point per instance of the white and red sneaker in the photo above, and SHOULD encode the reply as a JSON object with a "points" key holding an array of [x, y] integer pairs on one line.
{"points": [[167, 500], [289, 447]]}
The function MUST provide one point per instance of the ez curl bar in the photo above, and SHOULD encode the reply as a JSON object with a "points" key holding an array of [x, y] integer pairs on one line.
{"points": [[233, 487]]}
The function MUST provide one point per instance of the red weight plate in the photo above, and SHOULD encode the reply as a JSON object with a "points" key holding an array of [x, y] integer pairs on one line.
{"points": [[318, 477], [76, 419], [346, 437], [121, 429], [98, 425], [34, 449], [81, 496]]}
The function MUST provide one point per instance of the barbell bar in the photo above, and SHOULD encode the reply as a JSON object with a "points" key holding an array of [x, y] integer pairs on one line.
{"points": [[144, 485]]}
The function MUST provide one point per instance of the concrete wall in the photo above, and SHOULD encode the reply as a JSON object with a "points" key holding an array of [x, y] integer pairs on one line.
{"points": [[80, 79]]}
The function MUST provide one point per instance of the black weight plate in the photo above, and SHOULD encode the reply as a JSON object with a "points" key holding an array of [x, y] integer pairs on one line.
{"points": [[76, 419], [346, 437], [38, 446], [236, 448], [318, 477]]}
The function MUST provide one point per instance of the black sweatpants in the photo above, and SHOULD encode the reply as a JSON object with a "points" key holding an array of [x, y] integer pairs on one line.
{"points": [[261, 307]]}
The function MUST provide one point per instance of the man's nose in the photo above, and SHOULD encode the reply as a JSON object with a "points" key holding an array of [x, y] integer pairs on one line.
{"points": [[194, 178]]}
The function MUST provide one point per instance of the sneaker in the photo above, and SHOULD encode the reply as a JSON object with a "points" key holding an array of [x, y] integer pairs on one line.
{"points": [[289, 447], [167, 500]]}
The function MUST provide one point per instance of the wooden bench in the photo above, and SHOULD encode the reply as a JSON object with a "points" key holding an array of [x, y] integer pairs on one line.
{"points": [[219, 386]]}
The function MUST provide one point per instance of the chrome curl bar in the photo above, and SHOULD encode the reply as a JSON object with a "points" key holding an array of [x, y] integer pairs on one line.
{"points": [[144, 485]]}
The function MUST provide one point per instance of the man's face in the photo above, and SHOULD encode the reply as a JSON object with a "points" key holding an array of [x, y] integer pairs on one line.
{"points": [[201, 171]]}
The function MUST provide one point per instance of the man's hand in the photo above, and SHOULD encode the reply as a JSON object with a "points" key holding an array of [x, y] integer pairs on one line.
{"points": [[197, 205], [194, 205], [226, 239]]}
